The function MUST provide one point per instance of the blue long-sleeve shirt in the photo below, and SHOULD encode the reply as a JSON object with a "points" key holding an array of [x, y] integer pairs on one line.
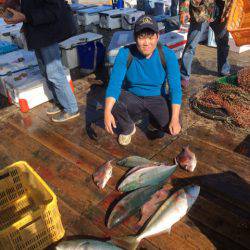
{"points": [[146, 77]]}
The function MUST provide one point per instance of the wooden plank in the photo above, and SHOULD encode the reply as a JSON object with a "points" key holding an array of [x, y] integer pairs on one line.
{"points": [[220, 220], [5, 159], [244, 147], [218, 241], [83, 158], [104, 146], [58, 144], [67, 180], [216, 134], [75, 130], [220, 159], [77, 224]]}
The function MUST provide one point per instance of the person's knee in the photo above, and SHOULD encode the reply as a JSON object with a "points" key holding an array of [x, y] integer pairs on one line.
{"points": [[118, 108], [56, 74]]}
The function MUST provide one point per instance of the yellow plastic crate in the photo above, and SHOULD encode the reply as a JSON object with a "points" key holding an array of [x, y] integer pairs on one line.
{"points": [[29, 215], [239, 22]]}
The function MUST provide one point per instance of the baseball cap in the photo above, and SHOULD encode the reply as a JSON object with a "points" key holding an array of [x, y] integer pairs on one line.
{"points": [[146, 22]]}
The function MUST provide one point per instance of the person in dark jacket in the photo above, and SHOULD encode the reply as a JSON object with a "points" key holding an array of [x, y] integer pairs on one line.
{"points": [[45, 24]]}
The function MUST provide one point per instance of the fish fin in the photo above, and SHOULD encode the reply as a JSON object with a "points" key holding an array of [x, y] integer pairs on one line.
{"points": [[127, 242], [176, 161], [122, 162]]}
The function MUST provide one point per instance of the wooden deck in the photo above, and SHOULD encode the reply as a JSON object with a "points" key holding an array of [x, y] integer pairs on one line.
{"points": [[66, 155]]}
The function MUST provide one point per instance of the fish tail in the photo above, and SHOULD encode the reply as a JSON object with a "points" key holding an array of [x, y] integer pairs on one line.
{"points": [[127, 242]]}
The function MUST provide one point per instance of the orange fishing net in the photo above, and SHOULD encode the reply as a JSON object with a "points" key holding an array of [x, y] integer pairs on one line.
{"points": [[233, 101]]}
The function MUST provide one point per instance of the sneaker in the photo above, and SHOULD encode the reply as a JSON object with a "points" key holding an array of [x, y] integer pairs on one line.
{"points": [[184, 83], [64, 116], [124, 140], [54, 109]]}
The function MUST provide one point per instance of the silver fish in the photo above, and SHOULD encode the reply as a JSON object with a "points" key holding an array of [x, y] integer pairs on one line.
{"points": [[130, 204], [186, 159], [170, 212], [103, 174], [86, 244], [148, 176], [132, 161], [132, 170], [150, 207]]}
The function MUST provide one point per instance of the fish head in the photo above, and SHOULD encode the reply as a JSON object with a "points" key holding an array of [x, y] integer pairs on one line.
{"points": [[106, 178], [186, 159], [108, 169], [103, 174], [192, 192], [191, 165]]}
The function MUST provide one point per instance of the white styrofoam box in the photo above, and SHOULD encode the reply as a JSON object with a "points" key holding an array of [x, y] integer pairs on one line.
{"points": [[130, 3], [75, 7], [68, 48], [129, 19], [14, 62], [5, 31], [119, 40], [211, 38], [91, 15], [111, 19], [235, 48], [29, 86], [175, 40]]}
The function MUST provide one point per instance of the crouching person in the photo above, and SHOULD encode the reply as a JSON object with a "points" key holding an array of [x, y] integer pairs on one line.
{"points": [[138, 84]]}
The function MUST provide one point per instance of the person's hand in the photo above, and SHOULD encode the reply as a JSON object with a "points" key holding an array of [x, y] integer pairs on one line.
{"points": [[184, 17], [174, 127], [109, 122], [17, 17]]}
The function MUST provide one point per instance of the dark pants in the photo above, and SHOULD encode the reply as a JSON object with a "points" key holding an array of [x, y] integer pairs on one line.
{"points": [[130, 106], [173, 8], [221, 38]]}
